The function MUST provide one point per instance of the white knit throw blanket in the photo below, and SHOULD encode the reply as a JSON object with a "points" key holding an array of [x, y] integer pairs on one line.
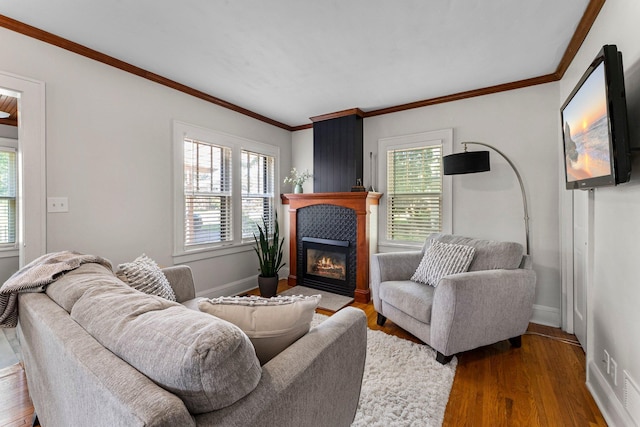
{"points": [[35, 276]]}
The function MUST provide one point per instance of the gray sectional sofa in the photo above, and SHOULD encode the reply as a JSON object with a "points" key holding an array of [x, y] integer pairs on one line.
{"points": [[99, 353]]}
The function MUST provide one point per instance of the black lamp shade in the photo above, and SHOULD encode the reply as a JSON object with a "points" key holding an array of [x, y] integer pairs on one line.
{"points": [[467, 162]]}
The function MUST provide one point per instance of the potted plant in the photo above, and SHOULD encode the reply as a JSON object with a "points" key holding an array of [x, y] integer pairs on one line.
{"points": [[269, 252], [297, 179]]}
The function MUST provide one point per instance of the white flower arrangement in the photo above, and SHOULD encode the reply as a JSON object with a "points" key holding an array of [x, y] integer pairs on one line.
{"points": [[297, 178]]}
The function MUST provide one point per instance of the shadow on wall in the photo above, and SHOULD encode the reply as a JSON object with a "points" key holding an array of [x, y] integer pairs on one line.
{"points": [[632, 89], [632, 92]]}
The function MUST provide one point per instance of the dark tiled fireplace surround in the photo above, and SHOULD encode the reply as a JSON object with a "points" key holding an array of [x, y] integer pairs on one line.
{"points": [[335, 226]]}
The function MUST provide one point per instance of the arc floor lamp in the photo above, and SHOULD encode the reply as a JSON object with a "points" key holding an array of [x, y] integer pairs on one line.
{"points": [[478, 161]]}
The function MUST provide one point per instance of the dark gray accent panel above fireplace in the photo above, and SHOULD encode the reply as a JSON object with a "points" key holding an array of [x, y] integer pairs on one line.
{"points": [[337, 153]]}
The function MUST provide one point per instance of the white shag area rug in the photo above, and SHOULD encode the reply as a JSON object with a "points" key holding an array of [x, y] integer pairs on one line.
{"points": [[403, 385]]}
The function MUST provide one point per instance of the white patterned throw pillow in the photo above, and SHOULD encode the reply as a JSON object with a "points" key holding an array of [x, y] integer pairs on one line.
{"points": [[272, 324], [144, 275], [443, 259]]}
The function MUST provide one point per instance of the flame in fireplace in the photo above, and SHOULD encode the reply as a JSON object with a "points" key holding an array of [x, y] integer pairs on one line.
{"points": [[325, 262], [327, 266]]}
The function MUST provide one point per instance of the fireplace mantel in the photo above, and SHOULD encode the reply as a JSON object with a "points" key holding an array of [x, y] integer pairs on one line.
{"points": [[365, 206]]}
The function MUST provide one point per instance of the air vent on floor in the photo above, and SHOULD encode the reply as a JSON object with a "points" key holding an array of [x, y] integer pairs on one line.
{"points": [[632, 398]]}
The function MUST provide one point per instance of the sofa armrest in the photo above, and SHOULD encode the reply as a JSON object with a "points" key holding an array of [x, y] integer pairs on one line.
{"points": [[480, 308], [181, 280], [294, 384], [391, 266]]}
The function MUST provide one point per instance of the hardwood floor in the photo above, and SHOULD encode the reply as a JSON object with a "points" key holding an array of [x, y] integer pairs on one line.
{"points": [[16, 408], [540, 384]]}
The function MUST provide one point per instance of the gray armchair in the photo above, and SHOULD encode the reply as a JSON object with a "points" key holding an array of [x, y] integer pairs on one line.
{"points": [[491, 302]]}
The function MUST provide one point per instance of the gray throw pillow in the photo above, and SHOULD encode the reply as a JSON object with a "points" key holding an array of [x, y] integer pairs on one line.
{"points": [[272, 324], [144, 275], [442, 259]]}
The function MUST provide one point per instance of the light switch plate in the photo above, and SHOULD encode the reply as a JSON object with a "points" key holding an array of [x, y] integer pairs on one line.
{"points": [[57, 204]]}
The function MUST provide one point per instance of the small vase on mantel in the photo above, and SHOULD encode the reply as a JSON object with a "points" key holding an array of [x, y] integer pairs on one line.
{"points": [[296, 179]]}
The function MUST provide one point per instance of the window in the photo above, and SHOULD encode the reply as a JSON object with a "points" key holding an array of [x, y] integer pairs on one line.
{"points": [[8, 189], [257, 191], [414, 192], [224, 186], [207, 193], [418, 196]]}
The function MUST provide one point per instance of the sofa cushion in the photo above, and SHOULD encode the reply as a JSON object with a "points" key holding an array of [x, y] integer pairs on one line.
{"points": [[414, 299], [272, 324], [192, 304], [67, 289], [442, 259], [207, 362], [490, 254], [144, 275]]}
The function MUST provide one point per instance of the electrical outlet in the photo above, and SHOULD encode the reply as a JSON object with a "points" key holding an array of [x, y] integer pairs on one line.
{"points": [[57, 204], [606, 362], [614, 371]]}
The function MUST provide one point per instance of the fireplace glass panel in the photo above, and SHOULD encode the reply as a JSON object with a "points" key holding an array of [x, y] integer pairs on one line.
{"points": [[328, 264]]}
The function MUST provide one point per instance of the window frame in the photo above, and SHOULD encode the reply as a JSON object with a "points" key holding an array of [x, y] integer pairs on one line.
{"points": [[182, 130], [442, 137], [12, 250]]}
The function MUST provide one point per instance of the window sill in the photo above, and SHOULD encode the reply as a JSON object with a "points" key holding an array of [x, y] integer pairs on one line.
{"points": [[207, 253]]}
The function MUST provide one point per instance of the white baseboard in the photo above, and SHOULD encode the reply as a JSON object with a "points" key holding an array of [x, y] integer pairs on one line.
{"points": [[548, 316], [238, 287], [233, 288], [612, 409]]}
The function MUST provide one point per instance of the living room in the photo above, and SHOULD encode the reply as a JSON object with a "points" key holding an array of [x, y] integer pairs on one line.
{"points": [[109, 151]]}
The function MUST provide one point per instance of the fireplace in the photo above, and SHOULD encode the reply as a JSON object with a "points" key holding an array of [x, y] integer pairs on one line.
{"points": [[326, 266], [345, 219]]}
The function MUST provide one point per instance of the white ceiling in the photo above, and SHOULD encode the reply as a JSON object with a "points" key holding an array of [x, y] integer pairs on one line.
{"points": [[294, 59]]}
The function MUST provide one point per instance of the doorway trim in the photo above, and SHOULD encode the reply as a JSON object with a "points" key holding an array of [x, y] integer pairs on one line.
{"points": [[566, 258], [32, 235]]}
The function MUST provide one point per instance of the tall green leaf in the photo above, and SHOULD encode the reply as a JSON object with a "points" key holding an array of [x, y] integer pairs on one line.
{"points": [[269, 250]]}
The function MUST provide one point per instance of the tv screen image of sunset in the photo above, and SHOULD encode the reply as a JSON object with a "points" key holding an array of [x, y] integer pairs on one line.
{"points": [[586, 130]]}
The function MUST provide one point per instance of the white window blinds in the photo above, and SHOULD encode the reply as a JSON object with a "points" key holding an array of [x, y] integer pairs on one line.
{"points": [[223, 186], [207, 193], [414, 193], [257, 191], [8, 186]]}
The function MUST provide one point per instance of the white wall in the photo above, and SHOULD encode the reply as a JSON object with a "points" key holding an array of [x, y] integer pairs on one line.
{"points": [[302, 156], [109, 147], [614, 291], [8, 266], [302, 159], [8, 131], [524, 125]]}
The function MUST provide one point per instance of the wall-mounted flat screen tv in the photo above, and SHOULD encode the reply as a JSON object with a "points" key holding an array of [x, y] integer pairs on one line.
{"points": [[594, 126]]}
